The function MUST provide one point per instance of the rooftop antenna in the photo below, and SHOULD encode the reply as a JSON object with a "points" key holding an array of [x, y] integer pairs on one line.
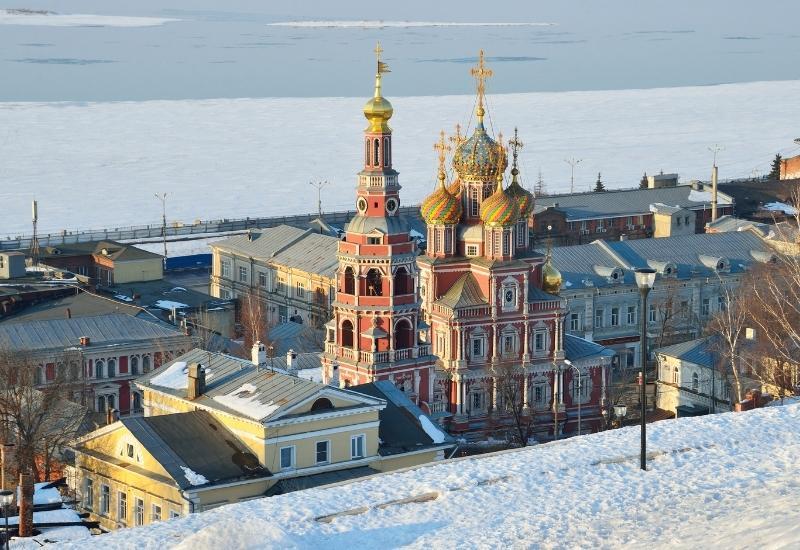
{"points": [[35, 238], [714, 175], [163, 198], [319, 185], [573, 162]]}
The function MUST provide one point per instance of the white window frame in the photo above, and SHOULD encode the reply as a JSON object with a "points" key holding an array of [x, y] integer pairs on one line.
{"points": [[292, 457], [225, 269], [599, 317], [473, 340], [138, 511], [652, 313], [536, 347], [363, 439], [105, 499], [243, 274], [300, 289], [615, 317], [88, 496], [630, 315], [482, 398], [472, 250], [263, 279], [574, 321], [153, 516], [122, 509], [327, 452], [174, 513]]}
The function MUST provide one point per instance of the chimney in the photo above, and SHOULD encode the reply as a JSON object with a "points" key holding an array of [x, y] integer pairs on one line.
{"points": [[258, 354], [112, 415], [290, 357], [335, 376], [714, 173], [69, 313], [84, 340], [197, 381]]}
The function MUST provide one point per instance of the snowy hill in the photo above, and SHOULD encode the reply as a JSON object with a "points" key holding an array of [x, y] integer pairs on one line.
{"points": [[102, 162], [723, 481]]}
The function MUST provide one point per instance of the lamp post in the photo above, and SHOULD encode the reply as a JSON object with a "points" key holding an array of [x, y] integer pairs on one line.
{"points": [[577, 373], [620, 411], [645, 278], [6, 498]]}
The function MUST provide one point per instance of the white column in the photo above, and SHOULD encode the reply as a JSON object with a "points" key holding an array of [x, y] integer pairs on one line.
{"points": [[525, 390], [459, 404]]}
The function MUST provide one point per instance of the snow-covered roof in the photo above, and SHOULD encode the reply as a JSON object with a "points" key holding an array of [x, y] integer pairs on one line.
{"points": [[583, 492]]}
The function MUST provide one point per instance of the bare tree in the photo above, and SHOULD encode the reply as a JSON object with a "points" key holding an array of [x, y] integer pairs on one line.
{"points": [[37, 417], [509, 383], [253, 320], [728, 328]]}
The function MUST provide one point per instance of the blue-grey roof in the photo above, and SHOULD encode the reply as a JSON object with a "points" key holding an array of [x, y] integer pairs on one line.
{"points": [[295, 336], [579, 265], [697, 351], [289, 246], [576, 348], [400, 427], [102, 330], [628, 202], [197, 441]]}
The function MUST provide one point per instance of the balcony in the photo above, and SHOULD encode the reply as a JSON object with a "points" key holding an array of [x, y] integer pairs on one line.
{"points": [[377, 357]]}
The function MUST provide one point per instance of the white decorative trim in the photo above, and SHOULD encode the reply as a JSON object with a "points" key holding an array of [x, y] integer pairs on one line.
{"points": [[321, 433]]}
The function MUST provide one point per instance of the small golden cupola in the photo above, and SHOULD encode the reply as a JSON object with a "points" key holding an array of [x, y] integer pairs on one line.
{"points": [[441, 207], [500, 208], [551, 277], [378, 110], [480, 157], [523, 197]]}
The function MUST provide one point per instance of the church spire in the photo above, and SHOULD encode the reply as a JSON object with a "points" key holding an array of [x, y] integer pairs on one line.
{"points": [[481, 72]]}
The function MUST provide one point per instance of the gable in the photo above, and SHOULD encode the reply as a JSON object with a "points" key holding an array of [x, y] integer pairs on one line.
{"points": [[111, 443]]}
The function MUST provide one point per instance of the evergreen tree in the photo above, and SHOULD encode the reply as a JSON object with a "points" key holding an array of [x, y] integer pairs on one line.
{"points": [[643, 182], [775, 171], [598, 186]]}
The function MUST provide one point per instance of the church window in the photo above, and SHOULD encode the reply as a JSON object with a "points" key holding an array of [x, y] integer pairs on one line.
{"points": [[374, 283], [111, 368], [472, 250], [539, 341], [366, 152], [146, 363], [373, 240], [347, 334], [496, 246], [448, 241], [478, 348], [376, 158], [506, 243], [403, 283], [386, 151], [437, 240], [349, 281], [403, 335], [477, 401], [473, 202], [521, 233]]}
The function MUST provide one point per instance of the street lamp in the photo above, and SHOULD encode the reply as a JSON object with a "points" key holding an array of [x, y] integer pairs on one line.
{"points": [[620, 411], [6, 498], [580, 382], [645, 278]]}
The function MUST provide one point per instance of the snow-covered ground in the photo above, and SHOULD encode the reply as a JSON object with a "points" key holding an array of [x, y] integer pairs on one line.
{"points": [[94, 165], [400, 24], [723, 481], [50, 19]]}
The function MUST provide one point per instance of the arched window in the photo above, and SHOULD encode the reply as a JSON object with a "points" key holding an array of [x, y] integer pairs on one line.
{"points": [[402, 282], [695, 382], [403, 335], [101, 404], [366, 152], [135, 365], [322, 404], [376, 152], [374, 283], [347, 334], [137, 401], [386, 151], [349, 281], [112, 368], [146, 363], [110, 401], [99, 365]]}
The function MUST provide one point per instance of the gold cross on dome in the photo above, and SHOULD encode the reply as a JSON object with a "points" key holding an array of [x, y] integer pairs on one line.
{"points": [[516, 145], [442, 147], [378, 51], [457, 139], [481, 72]]}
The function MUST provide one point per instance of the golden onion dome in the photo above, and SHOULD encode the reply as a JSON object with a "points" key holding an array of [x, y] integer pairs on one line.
{"points": [[499, 208], [523, 197], [441, 207], [551, 278], [480, 156], [378, 110]]}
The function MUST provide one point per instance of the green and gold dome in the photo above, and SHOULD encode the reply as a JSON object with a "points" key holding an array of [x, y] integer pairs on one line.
{"points": [[441, 207], [523, 197], [480, 157], [500, 208]]}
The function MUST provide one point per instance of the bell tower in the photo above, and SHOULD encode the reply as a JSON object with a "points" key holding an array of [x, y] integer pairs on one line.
{"points": [[377, 331]]}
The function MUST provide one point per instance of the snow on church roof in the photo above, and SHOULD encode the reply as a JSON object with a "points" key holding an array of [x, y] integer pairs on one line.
{"points": [[709, 482]]}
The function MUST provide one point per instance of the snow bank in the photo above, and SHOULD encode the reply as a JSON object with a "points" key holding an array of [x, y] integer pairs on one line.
{"points": [[787, 209], [315, 374], [51, 19], [211, 151], [432, 431], [175, 377], [169, 304], [246, 401], [727, 480], [193, 477]]}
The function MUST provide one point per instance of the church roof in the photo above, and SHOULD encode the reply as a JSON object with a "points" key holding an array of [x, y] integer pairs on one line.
{"points": [[464, 293]]}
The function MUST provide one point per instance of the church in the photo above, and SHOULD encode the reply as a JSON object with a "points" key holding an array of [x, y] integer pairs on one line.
{"points": [[472, 329]]}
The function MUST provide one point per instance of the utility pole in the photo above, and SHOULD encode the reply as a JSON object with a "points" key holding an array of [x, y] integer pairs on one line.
{"points": [[714, 174], [35, 238], [573, 162], [163, 198], [319, 185]]}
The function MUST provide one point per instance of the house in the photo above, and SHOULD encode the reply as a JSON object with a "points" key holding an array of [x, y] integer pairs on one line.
{"points": [[218, 429], [692, 379], [290, 270], [726, 223], [105, 350], [105, 262], [12, 265], [579, 218], [790, 167], [693, 273]]}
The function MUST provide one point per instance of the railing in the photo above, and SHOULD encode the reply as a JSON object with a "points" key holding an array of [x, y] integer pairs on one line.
{"points": [[438, 407], [377, 357], [400, 354], [423, 350]]}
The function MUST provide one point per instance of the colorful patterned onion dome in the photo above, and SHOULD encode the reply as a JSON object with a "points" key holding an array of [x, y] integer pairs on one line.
{"points": [[455, 187], [480, 156], [551, 277], [500, 208], [441, 207], [523, 197]]}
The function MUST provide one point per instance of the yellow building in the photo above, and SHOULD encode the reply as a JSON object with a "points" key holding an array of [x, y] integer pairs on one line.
{"points": [[218, 429]]}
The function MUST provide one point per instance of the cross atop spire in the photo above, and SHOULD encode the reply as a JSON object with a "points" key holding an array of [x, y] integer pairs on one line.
{"points": [[458, 138], [516, 145], [442, 148], [382, 67], [481, 72]]}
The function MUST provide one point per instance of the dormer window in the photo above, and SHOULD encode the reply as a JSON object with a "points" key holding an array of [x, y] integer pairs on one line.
{"points": [[129, 450]]}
